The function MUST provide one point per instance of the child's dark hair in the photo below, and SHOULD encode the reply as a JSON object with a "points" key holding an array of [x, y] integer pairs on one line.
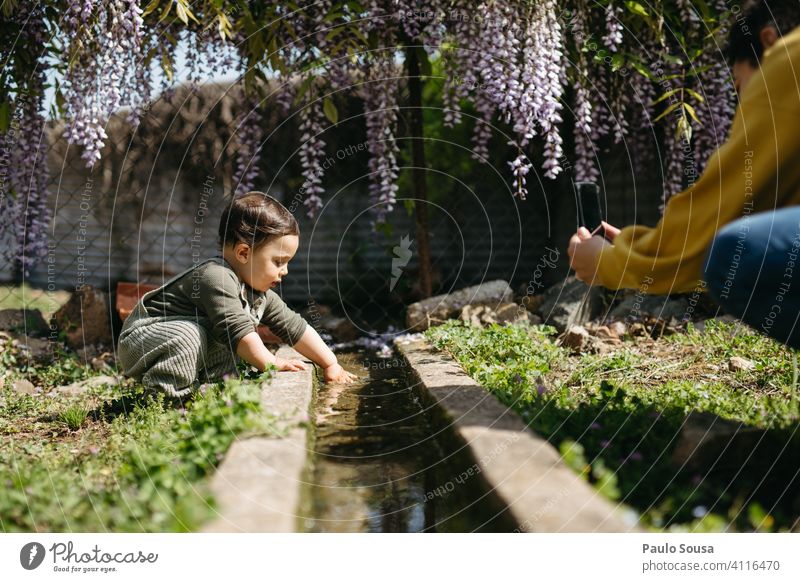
{"points": [[254, 219]]}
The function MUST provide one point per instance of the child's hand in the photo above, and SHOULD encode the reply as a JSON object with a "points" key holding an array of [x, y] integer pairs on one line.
{"points": [[335, 373], [289, 365]]}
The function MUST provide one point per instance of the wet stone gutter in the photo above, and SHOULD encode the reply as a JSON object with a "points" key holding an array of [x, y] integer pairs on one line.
{"points": [[257, 486], [525, 471]]}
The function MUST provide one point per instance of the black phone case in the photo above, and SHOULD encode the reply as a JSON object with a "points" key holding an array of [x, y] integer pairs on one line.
{"points": [[590, 212]]}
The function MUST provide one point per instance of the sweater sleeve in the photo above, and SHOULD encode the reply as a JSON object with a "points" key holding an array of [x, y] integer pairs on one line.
{"points": [[216, 293], [282, 321], [755, 170]]}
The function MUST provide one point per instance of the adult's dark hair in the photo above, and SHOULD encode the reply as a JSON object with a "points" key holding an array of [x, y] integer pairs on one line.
{"points": [[254, 219], [744, 43]]}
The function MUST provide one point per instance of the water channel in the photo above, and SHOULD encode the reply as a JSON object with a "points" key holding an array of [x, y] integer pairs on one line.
{"points": [[384, 461]]}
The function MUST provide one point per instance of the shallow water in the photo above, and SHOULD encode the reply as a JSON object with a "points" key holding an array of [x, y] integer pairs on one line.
{"points": [[382, 462]]}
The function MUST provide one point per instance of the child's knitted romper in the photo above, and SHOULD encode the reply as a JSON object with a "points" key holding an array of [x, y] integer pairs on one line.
{"points": [[174, 353]]}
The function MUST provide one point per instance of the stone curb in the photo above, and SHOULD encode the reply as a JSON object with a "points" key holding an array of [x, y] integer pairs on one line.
{"points": [[525, 471], [257, 486]]}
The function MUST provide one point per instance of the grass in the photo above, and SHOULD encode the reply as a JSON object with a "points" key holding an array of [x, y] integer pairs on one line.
{"points": [[74, 417], [114, 458], [24, 296], [616, 417]]}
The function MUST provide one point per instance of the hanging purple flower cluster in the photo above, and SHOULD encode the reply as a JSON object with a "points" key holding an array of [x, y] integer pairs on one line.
{"points": [[380, 111], [249, 134], [714, 84], [510, 60], [586, 130], [613, 37], [105, 69], [312, 153], [519, 65], [305, 47], [26, 216]]}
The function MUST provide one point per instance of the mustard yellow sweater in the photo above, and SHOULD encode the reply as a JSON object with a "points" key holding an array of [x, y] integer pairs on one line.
{"points": [[756, 169]]}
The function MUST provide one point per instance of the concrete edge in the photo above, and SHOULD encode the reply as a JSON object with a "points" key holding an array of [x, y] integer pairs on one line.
{"points": [[522, 469], [258, 485]]}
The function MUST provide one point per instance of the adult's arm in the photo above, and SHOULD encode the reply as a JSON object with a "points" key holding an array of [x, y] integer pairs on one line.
{"points": [[756, 169]]}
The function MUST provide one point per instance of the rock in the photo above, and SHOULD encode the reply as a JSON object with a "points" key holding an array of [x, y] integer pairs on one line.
{"points": [[33, 349], [97, 356], [26, 321], [78, 388], [737, 364], [576, 338], [322, 319], [640, 306], [316, 312], [104, 363], [532, 302], [23, 387], [86, 318], [573, 303], [341, 329], [606, 334], [433, 310], [618, 328], [505, 313]]}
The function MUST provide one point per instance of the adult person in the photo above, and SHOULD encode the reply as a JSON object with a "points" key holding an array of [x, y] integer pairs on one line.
{"points": [[757, 169]]}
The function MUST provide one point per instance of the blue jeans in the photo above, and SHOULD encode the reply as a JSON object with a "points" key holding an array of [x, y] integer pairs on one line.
{"points": [[753, 272]]}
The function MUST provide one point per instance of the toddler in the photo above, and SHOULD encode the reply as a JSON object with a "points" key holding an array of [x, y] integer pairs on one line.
{"points": [[188, 330]]}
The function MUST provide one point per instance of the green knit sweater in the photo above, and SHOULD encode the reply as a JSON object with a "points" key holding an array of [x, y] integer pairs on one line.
{"points": [[215, 291]]}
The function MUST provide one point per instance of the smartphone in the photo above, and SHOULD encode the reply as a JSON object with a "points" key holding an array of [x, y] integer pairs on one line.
{"points": [[590, 212]]}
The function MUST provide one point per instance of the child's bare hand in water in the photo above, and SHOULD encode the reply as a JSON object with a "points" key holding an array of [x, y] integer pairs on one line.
{"points": [[289, 365], [335, 373]]}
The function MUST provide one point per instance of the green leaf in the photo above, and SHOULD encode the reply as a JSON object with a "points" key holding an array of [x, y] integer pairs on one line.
{"points": [[182, 13], [668, 110], [189, 12], [695, 94], [672, 59], [666, 95], [690, 110], [385, 228], [167, 66], [330, 110], [165, 13], [641, 69], [333, 33], [685, 128], [223, 26], [151, 7], [637, 8]]}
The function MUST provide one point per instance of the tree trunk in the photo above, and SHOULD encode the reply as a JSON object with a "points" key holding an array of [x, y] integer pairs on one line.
{"points": [[419, 170]]}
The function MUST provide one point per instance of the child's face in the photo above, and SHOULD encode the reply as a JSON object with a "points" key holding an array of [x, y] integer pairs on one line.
{"points": [[265, 267]]}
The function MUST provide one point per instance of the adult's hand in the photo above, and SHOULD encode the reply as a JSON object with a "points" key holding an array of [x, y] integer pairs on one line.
{"points": [[611, 231], [584, 252]]}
